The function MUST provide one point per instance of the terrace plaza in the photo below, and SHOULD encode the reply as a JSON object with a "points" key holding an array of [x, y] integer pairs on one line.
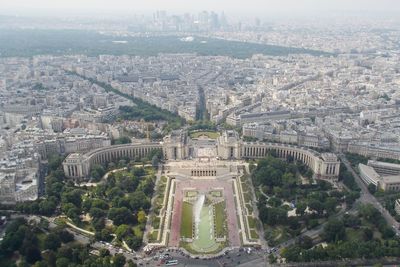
{"points": [[204, 200], [206, 204]]}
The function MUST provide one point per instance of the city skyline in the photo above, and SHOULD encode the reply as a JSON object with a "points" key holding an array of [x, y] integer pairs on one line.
{"points": [[260, 8]]}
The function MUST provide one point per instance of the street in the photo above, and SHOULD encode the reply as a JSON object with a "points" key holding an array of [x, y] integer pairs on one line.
{"points": [[367, 197]]}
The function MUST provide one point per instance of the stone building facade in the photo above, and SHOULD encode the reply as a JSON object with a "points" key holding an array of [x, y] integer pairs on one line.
{"points": [[228, 146]]}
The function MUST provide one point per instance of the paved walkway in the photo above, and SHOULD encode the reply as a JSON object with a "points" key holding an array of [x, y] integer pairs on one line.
{"points": [[148, 227]]}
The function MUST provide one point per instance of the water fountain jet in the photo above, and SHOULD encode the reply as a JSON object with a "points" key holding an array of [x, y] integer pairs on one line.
{"points": [[198, 205]]}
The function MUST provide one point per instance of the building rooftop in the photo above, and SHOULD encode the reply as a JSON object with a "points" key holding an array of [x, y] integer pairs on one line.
{"points": [[392, 179], [383, 164], [369, 171]]}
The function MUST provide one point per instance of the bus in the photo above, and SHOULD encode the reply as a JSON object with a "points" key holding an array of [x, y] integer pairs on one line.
{"points": [[171, 262]]}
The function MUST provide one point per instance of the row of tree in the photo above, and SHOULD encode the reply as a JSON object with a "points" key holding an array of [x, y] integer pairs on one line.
{"points": [[279, 181], [123, 198], [374, 239], [33, 245]]}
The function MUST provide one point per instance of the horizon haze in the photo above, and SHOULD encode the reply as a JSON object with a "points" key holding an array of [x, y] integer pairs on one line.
{"points": [[235, 7]]}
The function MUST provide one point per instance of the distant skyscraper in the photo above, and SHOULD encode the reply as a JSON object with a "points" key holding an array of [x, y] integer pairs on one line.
{"points": [[222, 21], [214, 21], [203, 17]]}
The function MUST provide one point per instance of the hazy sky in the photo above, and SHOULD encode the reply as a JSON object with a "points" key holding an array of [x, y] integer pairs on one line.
{"points": [[258, 7]]}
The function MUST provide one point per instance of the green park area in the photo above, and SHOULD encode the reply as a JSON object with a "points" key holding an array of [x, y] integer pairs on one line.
{"points": [[157, 221], [30, 42], [209, 134], [288, 208], [187, 220], [114, 210], [37, 243], [123, 199], [364, 235], [220, 219], [251, 222]]}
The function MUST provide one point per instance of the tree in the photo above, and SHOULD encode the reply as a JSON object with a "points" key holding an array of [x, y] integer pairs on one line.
{"points": [[98, 223], [289, 180], [114, 192], [64, 252], [33, 255], [52, 241], [65, 236], [348, 179], [49, 259], [146, 187], [291, 253], [22, 263], [305, 242], [352, 221], [53, 187], [138, 172], [99, 203], [141, 217], [131, 263], [122, 140], [14, 237], [97, 213], [300, 208], [47, 207], [330, 205], [316, 205], [334, 230], [73, 214], [54, 162], [372, 188], [104, 234], [134, 242], [44, 224], [104, 252], [122, 163], [350, 197], [275, 216], [369, 212], [293, 223], [58, 174], [122, 231], [368, 234], [274, 202], [138, 200], [128, 182], [97, 172], [119, 260], [309, 173], [121, 216], [62, 262], [73, 196], [387, 232], [263, 213]]}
